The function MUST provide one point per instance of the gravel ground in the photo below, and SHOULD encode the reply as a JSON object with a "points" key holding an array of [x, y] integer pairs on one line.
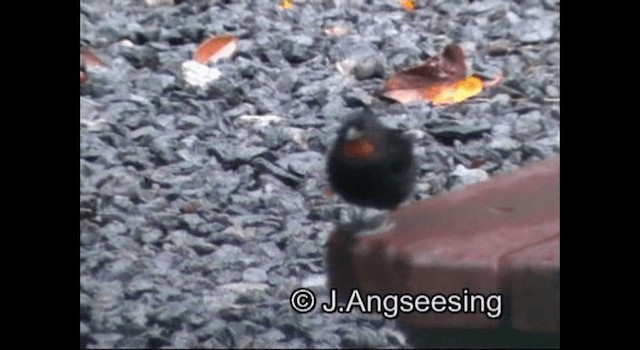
{"points": [[198, 222]]}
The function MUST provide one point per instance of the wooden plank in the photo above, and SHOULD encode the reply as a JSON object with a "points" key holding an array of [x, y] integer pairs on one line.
{"points": [[445, 244]]}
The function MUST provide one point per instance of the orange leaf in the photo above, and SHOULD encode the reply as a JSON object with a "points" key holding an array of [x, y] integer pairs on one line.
{"points": [[440, 93], [453, 92], [408, 5], [215, 48], [285, 4]]}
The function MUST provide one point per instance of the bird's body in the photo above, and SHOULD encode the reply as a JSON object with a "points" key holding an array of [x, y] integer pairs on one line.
{"points": [[370, 165]]}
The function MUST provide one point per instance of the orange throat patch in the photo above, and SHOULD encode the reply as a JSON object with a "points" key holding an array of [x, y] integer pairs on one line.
{"points": [[361, 149]]}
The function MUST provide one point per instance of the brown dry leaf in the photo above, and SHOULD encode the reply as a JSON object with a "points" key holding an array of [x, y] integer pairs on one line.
{"points": [[442, 80], [89, 59], [493, 82], [328, 192], [215, 48], [189, 208], [449, 66], [476, 163], [408, 5], [285, 4], [83, 78]]}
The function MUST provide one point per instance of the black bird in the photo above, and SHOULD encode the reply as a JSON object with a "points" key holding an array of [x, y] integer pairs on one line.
{"points": [[371, 165]]}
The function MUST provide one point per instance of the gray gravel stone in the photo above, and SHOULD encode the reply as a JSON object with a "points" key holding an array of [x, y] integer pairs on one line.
{"points": [[255, 275], [533, 30], [115, 228], [152, 235], [477, 7], [501, 99], [184, 340], [137, 287], [552, 91], [89, 233], [355, 98], [369, 67], [140, 56], [298, 48], [303, 163], [460, 131], [106, 340], [528, 125], [237, 154]]}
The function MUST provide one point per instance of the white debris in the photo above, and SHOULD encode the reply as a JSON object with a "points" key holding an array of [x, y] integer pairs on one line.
{"points": [[319, 280], [258, 121], [159, 2], [468, 176], [199, 75], [345, 67], [126, 43]]}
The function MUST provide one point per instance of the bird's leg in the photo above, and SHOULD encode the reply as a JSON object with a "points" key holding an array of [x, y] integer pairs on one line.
{"points": [[372, 221]]}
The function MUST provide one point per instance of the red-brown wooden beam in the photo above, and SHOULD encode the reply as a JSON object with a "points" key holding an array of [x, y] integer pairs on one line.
{"points": [[499, 236]]}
